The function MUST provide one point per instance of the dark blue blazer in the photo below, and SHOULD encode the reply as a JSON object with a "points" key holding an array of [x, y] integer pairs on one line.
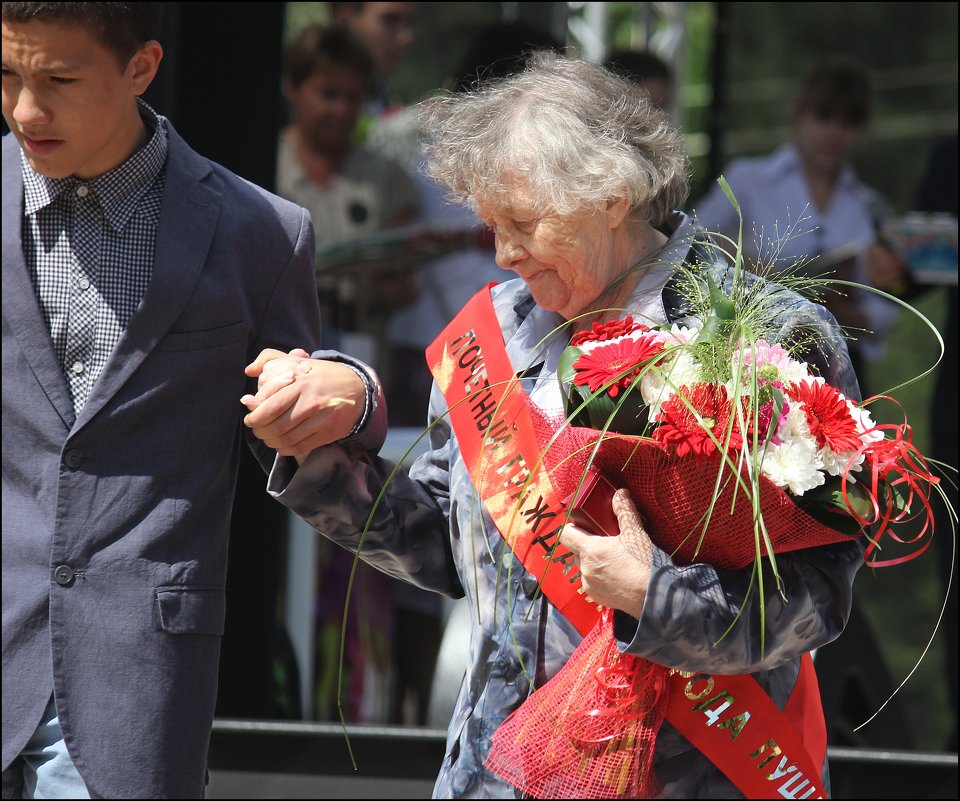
{"points": [[115, 522]]}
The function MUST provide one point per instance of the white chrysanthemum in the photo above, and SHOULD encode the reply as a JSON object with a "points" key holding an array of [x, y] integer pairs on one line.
{"points": [[794, 465], [658, 384], [865, 423], [792, 371], [794, 426], [838, 463], [683, 334]]}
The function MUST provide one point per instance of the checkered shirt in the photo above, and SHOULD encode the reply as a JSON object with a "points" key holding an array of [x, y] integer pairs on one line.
{"points": [[89, 248]]}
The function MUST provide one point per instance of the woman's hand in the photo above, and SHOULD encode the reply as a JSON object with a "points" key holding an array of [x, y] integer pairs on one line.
{"points": [[615, 571], [302, 403]]}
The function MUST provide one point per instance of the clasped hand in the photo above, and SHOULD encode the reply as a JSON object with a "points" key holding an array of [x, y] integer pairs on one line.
{"points": [[302, 403], [615, 571]]}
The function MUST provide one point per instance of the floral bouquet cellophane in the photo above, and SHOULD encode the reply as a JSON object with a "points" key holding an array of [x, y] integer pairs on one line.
{"points": [[733, 451]]}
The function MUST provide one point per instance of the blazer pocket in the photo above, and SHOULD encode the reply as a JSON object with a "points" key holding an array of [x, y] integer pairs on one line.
{"points": [[192, 610], [201, 340]]}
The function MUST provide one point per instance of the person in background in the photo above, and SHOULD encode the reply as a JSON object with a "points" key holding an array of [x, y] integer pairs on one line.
{"points": [[805, 204], [137, 277], [804, 201], [648, 70], [585, 241], [445, 284], [350, 192], [387, 31]]}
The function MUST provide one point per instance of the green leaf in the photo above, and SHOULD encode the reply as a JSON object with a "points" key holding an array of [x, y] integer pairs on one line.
{"points": [[721, 316], [720, 303], [565, 371], [601, 409], [829, 499]]}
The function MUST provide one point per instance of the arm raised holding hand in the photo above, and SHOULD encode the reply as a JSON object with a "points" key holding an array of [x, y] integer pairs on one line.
{"points": [[303, 403]]}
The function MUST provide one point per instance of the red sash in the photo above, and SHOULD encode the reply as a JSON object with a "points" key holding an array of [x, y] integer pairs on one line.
{"points": [[763, 751]]}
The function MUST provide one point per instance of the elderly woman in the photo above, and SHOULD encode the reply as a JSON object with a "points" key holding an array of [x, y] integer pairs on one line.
{"points": [[579, 176]]}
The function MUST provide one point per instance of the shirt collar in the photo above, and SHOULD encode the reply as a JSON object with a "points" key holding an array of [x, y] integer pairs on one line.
{"points": [[118, 191], [786, 160], [646, 302]]}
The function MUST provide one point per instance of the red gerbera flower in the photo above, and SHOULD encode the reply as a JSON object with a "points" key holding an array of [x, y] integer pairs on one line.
{"points": [[681, 429], [828, 416], [604, 363], [607, 331]]}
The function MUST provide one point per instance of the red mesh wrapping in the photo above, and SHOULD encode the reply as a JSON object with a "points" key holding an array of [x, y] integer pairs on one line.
{"points": [[673, 496], [590, 731]]}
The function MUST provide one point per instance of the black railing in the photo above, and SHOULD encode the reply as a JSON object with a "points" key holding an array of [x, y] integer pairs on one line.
{"points": [[265, 759]]}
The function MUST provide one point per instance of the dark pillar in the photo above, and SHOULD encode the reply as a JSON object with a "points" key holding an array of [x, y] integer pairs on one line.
{"points": [[219, 82]]}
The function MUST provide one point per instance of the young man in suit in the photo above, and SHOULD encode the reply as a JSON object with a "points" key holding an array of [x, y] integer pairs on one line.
{"points": [[138, 280]]}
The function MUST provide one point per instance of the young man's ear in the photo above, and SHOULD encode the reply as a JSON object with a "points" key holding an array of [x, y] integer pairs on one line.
{"points": [[143, 66]]}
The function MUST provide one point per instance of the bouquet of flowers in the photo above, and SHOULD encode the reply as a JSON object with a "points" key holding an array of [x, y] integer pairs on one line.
{"points": [[734, 450], [765, 416]]}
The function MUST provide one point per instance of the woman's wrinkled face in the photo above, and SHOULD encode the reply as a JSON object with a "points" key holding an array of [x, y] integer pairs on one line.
{"points": [[567, 260]]}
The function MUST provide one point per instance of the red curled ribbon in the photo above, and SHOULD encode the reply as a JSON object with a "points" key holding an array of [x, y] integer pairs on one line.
{"points": [[898, 480]]}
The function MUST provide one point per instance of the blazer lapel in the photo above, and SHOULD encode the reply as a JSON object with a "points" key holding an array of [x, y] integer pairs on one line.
{"points": [[21, 311], [188, 221]]}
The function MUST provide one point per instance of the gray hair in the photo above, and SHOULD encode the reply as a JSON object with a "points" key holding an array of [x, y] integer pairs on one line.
{"points": [[577, 134]]}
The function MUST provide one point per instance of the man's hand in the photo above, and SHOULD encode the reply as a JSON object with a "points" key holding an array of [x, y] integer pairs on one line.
{"points": [[615, 570], [302, 403]]}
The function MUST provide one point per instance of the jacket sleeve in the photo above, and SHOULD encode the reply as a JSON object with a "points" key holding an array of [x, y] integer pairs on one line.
{"points": [[703, 619], [291, 318], [397, 520]]}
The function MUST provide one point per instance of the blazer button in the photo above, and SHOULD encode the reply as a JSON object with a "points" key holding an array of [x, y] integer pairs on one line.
{"points": [[73, 457], [63, 575], [529, 585]]}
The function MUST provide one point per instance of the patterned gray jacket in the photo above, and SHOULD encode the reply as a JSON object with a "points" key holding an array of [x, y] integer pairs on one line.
{"points": [[431, 529]]}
